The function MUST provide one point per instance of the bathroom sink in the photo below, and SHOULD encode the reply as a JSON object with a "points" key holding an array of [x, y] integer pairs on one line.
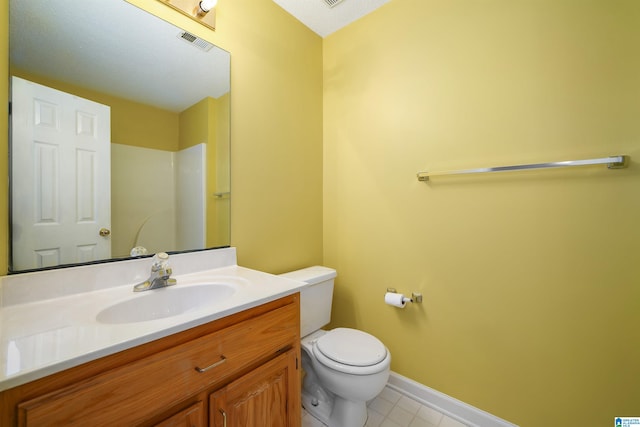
{"points": [[165, 302]]}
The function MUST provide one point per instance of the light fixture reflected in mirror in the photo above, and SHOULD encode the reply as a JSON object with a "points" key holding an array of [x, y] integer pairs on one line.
{"points": [[202, 11], [205, 6]]}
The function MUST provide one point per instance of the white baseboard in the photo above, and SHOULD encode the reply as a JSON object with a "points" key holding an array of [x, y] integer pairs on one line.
{"points": [[447, 405]]}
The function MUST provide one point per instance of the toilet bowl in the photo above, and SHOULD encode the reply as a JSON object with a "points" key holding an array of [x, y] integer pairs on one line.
{"points": [[343, 368]]}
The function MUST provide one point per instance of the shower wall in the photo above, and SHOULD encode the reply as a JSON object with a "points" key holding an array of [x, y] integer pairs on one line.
{"points": [[157, 198], [142, 199]]}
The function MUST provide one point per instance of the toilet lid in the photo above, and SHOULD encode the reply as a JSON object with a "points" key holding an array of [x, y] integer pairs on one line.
{"points": [[351, 347]]}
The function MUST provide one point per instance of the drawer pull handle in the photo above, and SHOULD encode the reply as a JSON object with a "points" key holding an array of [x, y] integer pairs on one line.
{"points": [[224, 417], [218, 363]]}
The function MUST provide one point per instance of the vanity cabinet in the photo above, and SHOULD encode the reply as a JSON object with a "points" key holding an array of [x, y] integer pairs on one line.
{"points": [[242, 367]]}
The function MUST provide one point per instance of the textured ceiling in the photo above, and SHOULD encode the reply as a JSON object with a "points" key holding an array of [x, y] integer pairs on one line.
{"points": [[324, 20]]}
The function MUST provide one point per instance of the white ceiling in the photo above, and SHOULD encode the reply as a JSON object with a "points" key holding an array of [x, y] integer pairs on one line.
{"points": [[324, 20]]}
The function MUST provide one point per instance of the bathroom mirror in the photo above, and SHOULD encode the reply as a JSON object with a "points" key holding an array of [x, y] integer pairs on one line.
{"points": [[85, 72]]}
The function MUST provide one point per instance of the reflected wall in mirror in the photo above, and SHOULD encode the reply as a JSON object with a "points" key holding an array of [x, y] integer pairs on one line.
{"points": [[105, 69]]}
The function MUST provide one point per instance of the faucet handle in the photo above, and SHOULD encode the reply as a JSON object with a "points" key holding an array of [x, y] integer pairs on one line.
{"points": [[160, 261]]}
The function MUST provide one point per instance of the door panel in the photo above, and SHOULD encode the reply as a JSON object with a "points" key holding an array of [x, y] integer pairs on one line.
{"points": [[60, 183]]}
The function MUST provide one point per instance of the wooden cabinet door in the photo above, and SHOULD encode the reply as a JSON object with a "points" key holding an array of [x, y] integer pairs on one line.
{"points": [[193, 416], [268, 396]]}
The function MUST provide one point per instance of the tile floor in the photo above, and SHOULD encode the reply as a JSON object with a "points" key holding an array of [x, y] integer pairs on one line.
{"points": [[393, 409]]}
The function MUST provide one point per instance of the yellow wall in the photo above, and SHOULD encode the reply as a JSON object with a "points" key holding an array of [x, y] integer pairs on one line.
{"points": [[205, 122], [531, 281], [218, 225], [197, 125], [194, 124], [276, 130], [143, 125]]}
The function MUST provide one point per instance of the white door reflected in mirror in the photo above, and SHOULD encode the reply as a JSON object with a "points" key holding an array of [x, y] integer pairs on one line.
{"points": [[61, 222]]}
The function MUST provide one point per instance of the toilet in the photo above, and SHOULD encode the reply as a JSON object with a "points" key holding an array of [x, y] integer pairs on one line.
{"points": [[343, 368]]}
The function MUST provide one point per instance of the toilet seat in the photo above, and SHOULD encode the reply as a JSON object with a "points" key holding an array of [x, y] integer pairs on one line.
{"points": [[351, 351]]}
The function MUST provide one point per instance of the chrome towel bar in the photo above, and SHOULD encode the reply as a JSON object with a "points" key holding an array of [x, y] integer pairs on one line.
{"points": [[612, 162]]}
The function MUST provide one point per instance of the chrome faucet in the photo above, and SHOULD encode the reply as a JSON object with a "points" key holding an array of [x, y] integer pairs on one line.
{"points": [[160, 273]]}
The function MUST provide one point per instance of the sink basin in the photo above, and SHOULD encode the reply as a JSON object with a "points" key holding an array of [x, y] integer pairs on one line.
{"points": [[165, 302]]}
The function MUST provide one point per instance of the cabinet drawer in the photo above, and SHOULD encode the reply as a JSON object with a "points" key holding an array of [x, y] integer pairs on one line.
{"points": [[133, 392]]}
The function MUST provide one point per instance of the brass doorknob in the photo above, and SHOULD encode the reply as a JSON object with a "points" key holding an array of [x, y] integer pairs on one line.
{"points": [[104, 232]]}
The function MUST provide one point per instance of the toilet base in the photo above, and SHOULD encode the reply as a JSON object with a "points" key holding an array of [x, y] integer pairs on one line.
{"points": [[336, 412], [318, 408], [348, 413]]}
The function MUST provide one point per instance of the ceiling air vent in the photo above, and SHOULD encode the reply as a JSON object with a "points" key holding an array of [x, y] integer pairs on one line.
{"points": [[196, 41], [332, 3]]}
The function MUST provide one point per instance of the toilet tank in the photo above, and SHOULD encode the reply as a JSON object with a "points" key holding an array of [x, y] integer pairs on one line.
{"points": [[315, 298]]}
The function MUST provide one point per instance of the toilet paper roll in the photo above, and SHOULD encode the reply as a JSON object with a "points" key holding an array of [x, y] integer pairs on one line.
{"points": [[396, 300]]}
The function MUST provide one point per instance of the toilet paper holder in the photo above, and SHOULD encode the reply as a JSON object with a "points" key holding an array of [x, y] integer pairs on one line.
{"points": [[415, 297]]}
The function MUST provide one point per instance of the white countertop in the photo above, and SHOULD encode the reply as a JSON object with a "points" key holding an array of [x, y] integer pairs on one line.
{"points": [[39, 337]]}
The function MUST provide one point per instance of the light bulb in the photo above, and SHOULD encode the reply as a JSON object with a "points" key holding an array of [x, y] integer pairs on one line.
{"points": [[207, 5]]}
